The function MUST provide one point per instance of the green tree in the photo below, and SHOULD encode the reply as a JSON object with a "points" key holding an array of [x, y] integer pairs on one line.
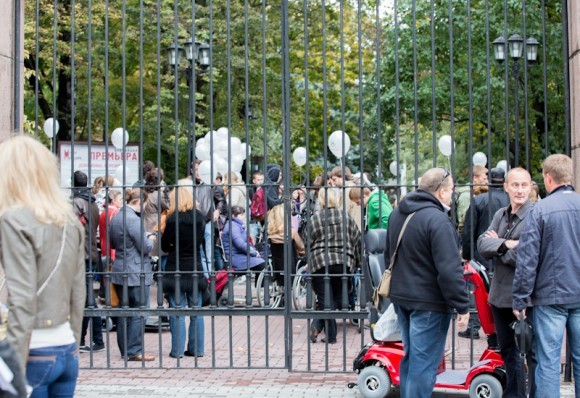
{"points": [[429, 114]]}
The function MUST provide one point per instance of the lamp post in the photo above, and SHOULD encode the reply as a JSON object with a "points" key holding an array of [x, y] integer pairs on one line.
{"points": [[196, 53], [514, 48]]}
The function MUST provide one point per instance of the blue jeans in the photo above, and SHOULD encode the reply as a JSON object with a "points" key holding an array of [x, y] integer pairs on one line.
{"points": [[195, 338], [207, 249], [550, 321], [423, 334], [53, 371], [255, 230], [130, 344]]}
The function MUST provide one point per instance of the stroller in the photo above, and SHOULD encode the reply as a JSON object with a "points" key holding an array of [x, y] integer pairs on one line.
{"points": [[377, 364]]}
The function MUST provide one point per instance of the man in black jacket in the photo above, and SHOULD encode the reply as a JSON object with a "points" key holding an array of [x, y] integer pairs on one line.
{"points": [[88, 213], [479, 216], [427, 282]]}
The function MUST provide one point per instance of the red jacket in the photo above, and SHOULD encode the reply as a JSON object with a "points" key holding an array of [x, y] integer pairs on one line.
{"points": [[104, 222]]}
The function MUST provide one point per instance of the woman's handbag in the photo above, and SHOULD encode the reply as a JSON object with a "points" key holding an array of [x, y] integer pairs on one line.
{"points": [[115, 302], [383, 290], [11, 375]]}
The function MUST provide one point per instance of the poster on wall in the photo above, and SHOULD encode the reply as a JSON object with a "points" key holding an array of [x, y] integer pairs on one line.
{"points": [[122, 165]]}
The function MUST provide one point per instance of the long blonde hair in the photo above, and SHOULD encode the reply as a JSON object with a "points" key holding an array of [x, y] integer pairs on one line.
{"points": [[182, 197], [30, 178]]}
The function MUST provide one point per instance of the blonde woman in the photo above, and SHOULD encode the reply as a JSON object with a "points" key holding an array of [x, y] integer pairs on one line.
{"points": [[328, 251], [182, 239], [42, 252], [276, 222]]}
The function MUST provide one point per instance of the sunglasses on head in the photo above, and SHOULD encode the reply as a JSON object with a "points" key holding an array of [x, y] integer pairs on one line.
{"points": [[446, 174]]}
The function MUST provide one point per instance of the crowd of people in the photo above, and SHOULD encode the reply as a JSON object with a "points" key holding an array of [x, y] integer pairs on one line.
{"points": [[192, 229]]}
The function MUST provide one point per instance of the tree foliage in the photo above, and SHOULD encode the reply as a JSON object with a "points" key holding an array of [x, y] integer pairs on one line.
{"points": [[445, 81], [354, 66]]}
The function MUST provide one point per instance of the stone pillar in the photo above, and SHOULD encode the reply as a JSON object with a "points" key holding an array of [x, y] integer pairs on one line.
{"points": [[574, 65], [9, 72]]}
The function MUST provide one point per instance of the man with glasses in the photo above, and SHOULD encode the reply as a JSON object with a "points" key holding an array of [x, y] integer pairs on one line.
{"points": [[427, 282]]}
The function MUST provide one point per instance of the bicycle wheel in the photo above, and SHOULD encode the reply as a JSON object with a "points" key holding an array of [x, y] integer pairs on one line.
{"points": [[299, 288], [276, 292]]}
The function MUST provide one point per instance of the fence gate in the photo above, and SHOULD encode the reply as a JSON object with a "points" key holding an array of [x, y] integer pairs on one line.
{"points": [[304, 92]]}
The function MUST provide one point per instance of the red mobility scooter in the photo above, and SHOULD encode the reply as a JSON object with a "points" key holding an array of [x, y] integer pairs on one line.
{"points": [[378, 362]]}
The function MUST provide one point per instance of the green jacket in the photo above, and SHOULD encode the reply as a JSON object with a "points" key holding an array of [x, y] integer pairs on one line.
{"points": [[378, 210], [462, 201]]}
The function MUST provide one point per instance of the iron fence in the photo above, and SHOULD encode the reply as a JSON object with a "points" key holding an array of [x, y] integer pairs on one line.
{"points": [[389, 88]]}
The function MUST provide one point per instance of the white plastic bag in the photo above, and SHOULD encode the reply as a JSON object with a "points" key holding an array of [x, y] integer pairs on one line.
{"points": [[387, 327]]}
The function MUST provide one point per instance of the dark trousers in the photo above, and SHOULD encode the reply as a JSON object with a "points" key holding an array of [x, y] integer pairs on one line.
{"points": [[334, 298], [97, 326], [503, 318]]}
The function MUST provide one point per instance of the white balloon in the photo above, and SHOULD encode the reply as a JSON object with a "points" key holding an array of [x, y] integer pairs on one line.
{"points": [[445, 145], [238, 168], [479, 159], [237, 158], [202, 152], [502, 164], [227, 148], [201, 141], [235, 143], [222, 133], [119, 137], [205, 172], [221, 148], [242, 151], [211, 138], [336, 144], [394, 168], [51, 127], [119, 173], [249, 149], [221, 165], [299, 155]]}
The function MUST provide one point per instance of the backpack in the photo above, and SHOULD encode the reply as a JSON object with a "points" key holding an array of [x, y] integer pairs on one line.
{"points": [[258, 206]]}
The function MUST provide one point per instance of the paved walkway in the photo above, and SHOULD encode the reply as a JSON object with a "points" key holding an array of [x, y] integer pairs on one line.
{"points": [[218, 383], [106, 374]]}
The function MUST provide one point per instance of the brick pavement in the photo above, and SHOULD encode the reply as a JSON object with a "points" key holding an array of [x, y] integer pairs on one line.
{"points": [[211, 376]]}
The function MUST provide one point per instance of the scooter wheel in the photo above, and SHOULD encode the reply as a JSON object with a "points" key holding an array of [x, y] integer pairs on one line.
{"points": [[485, 386], [374, 382]]}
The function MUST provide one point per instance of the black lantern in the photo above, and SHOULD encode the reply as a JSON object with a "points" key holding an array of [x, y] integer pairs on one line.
{"points": [[516, 46], [532, 49], [499, 49]]}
